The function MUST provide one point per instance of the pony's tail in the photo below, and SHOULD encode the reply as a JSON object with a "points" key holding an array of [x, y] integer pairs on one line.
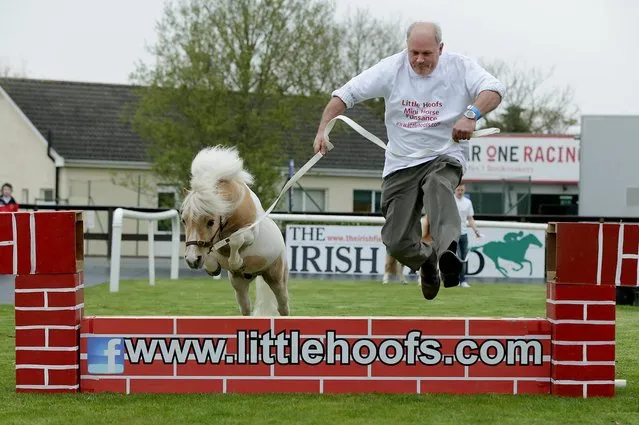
{"points": [[265, 301]]}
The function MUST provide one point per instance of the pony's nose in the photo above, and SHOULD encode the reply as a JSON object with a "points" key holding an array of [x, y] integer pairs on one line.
{"points": [[194, 264]]}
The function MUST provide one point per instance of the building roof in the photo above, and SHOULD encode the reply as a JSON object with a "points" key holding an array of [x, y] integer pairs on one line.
{"points": [[83, 119], [86, 123]]}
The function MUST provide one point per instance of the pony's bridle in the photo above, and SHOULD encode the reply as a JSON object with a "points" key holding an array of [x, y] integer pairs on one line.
{"points": [[208, 244]]}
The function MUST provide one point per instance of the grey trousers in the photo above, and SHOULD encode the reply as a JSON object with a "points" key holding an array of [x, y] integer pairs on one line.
{"points": [[431, 187]]}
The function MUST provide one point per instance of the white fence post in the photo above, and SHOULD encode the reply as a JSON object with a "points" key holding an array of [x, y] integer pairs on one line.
{"points": [[116, 246], [151, 253], [175, 246]]}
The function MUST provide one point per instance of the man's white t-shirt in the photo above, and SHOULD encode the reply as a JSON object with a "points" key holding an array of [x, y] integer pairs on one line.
{"points": [[465, 208], [421, 111]]}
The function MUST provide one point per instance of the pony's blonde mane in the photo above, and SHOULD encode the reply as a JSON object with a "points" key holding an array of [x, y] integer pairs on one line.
{"points": [[209, 167]]}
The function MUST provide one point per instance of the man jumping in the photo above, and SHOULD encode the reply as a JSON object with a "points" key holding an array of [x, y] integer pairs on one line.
{"points": [[430, 97]]}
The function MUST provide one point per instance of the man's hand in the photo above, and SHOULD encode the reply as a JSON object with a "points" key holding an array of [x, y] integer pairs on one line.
{"points": [[333, 108], [319, 145], [463, 129]]}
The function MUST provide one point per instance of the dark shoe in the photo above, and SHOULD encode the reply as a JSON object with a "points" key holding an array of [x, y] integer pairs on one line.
{"points": [[450, 266], [429, 277]]}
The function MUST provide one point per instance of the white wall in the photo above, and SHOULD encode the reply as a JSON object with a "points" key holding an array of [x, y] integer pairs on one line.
{"points": [[609, 152], [339, 190], [112, 187], [25, 163]]}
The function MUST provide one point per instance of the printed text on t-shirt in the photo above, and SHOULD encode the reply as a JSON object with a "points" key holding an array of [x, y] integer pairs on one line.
{"points": [[421, 114]]}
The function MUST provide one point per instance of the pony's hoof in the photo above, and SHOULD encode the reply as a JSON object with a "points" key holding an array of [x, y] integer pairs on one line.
{"points": [[216, 272]]}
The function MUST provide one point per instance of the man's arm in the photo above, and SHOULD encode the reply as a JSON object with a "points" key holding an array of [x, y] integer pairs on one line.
{"points": [[481, 83], [367, 85], [487, 101], [334, 108], [487, 92], [473, 225], [471, 219]]}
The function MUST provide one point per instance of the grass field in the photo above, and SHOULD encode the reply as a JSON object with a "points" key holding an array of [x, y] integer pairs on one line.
{"points": [[315, 298]]}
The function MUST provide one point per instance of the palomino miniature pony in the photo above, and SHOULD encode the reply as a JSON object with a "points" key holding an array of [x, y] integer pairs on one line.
{"points": [[218, 204]]}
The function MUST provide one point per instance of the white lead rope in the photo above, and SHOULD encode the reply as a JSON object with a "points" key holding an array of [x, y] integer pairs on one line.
{"points": [[329, 146], [419, 154], [287, 186]]}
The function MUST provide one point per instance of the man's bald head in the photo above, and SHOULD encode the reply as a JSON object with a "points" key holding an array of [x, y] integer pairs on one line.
{"points": [[424, 45], [425, 29]]}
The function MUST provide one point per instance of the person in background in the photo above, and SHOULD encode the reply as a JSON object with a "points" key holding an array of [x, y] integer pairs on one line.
{"points": [[466, 213], [7, 201]]}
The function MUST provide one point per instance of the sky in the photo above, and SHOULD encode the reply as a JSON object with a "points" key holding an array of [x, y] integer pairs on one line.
{"points": [[590, 45]]}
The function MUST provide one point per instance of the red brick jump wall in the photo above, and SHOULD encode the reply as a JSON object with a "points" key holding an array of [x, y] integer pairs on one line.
{"points": [[45, 252], [584, 263], [571, 352]]}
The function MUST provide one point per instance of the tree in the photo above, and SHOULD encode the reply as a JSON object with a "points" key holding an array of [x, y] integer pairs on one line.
{"points": [[222, 69], [529, 105], [7, 71], [241, 73], [366, 40]]}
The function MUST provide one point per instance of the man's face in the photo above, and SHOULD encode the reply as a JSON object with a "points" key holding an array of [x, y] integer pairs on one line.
{"points": [[423, 52], [6, 191], [459, 191]]}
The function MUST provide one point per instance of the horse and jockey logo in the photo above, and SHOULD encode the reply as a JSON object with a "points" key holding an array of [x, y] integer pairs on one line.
{"points": [[513, 248]]}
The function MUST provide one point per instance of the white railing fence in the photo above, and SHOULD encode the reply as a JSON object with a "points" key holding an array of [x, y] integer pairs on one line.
{"points": [[299, 218], [116, 242], [121, 213]]}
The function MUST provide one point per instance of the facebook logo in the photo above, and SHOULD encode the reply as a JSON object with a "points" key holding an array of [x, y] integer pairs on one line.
{"points": [[105, 355]]}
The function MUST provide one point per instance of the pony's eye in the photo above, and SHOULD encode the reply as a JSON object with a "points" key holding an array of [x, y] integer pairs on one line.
{"points": [[210, 223]]}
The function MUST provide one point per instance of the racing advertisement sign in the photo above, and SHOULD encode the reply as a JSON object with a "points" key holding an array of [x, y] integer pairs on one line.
{"points": [[335, 249], [358, 250], [542, 159], [507, 253]]}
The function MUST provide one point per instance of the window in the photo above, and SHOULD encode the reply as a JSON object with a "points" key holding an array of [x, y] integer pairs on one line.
{"points": [[25, 196], [554, 204], [367, 201], [523, 204], [487, 203], [167, 198], [305, 200], [47, 197]]}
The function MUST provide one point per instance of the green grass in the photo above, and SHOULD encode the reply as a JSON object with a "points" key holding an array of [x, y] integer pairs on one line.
{"points": [[215, 297]]}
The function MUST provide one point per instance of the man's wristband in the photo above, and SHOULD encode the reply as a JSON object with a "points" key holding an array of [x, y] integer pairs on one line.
{"points": [[476, 111]]}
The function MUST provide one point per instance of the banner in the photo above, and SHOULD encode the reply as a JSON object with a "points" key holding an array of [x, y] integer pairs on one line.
{"points": [[543, 159], [507, 253], [173, 354], [358, 250]]}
